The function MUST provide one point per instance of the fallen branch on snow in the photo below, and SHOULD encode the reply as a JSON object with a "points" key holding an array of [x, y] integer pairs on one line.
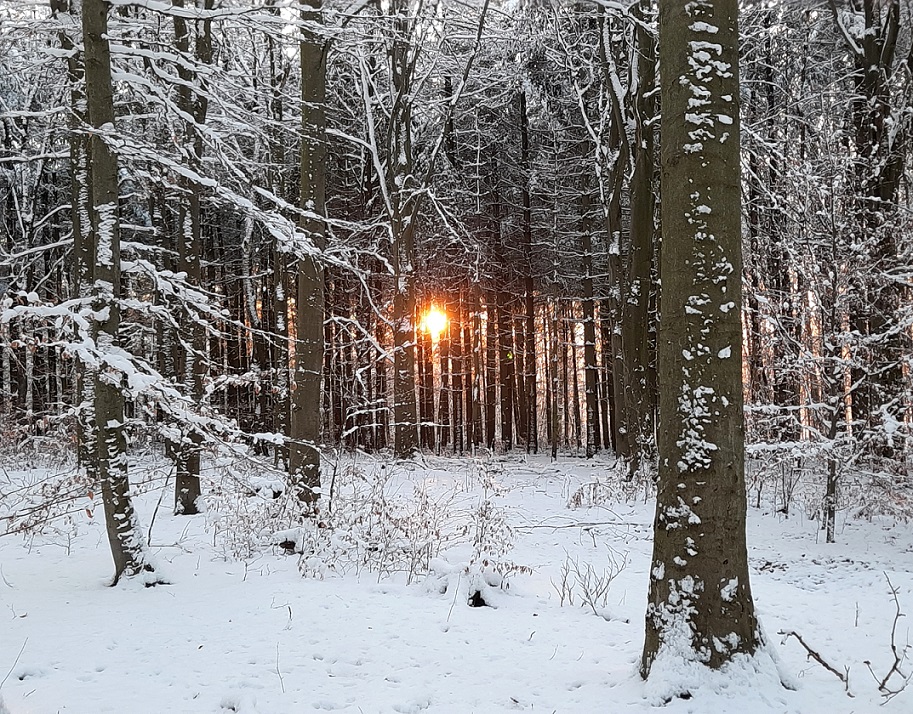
{"points": [[812, 654]]}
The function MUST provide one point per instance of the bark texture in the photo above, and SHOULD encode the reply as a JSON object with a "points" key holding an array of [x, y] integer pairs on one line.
{"points": [[104, 237], [700, 607], [304, 454]]}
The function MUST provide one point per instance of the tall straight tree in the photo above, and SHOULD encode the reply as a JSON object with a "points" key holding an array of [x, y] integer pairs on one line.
{"points": [[700, 603], [635, 313], [304, 454], [104, 239], [79, 198], [402, 220], [190, 247]]}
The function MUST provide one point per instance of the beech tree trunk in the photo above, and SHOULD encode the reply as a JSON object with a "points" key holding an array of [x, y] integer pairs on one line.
{"points": [[104, 238], [190, 249], [700, 605], [304, 452]]}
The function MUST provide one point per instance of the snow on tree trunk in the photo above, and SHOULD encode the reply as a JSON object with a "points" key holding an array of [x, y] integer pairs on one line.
{"points": [[110, 439], [401, 182], [190, 247], [700, 611], [304, 454]]}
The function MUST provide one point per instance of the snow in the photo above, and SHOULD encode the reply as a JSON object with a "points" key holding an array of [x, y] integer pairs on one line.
{"points": [[253, 635], [703, 27]]}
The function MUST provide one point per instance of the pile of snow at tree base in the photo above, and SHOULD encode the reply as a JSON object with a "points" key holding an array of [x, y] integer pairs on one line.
{"points": [[375, 616]]}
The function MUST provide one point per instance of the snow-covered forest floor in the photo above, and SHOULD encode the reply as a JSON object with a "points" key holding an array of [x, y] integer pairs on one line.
{"points": [[361, 625]]}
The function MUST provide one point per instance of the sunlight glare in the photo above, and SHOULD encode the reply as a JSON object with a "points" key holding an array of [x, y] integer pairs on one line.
{"points": [[434, 322]]}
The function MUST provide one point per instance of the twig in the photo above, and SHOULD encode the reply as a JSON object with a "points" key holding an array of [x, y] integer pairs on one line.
{"points": [[582, 524], [456, 591], [279, 671], [15, 662], [842, 676], [899, 657], [155, 512]]}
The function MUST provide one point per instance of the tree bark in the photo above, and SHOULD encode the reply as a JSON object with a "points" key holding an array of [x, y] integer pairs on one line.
{"points": [[190, 248], [531, 433], [402, 221], [491, 385], [635, 321], [700, 597], [591, 369], [304, 452], [104, 239]]}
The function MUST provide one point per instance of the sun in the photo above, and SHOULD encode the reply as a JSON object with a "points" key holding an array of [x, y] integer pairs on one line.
{"points": [[434, 322]]}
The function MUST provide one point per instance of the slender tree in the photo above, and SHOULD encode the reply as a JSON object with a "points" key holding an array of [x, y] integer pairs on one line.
{"points": [[304, 453], [189, 247], [104, 237]]}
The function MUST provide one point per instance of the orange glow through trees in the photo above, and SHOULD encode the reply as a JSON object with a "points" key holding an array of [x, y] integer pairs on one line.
{"points": [[434, 322]]}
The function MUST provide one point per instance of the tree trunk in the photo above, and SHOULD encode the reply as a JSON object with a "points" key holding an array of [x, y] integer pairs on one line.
{"points": [[426, 388], [530, 433], [552, 322], [82, 249], [477, 374], [491, 385], [104, 238], [458, 369], [506, 369], [608, 412], [304, 452], [402, 222], [591, 369], [700, 606], [444, 422], [635, 321], [190, 248]]}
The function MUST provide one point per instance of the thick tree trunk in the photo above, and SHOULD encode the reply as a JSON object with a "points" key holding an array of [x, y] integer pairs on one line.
{"points": [[700, 606], [81, 273]]}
